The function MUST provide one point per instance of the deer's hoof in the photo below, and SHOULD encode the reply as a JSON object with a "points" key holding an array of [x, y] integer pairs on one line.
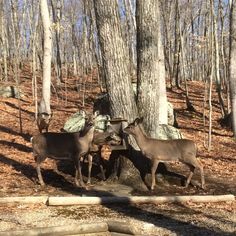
{"points": [[42, 184], [77, 184]]}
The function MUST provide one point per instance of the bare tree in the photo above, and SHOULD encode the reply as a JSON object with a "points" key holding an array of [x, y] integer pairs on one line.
{"points": [[115, 60], [232, 71], [151, 86], [47, 48], [118, 81], [57, 14], [217, 60], [3, 39]]}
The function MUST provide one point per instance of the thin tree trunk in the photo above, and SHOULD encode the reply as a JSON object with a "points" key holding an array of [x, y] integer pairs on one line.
{"points": [[3, 42], [232, 68], [47, 54], [57, 20], [188, 103], [177, 46], [217, 61], [16, 43], [211, 78]]}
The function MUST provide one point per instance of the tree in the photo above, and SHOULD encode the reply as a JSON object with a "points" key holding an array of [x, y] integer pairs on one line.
{"points": [[232, 68], [57, 12], [115, 60], [3, 40], [118, 81], [47, 54], [151, 75], [151, 86]]}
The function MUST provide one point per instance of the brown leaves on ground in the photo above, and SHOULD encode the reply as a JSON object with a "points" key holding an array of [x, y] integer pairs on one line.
{"points": [[17, 168]]}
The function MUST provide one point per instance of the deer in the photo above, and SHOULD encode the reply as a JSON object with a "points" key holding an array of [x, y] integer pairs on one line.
{"points": [[43, 121], [43, 116], [183, 150], [102, 154], [101, 148], [64, 146]]}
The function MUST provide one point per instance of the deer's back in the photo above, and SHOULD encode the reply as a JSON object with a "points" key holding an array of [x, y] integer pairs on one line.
{"points": [[56, 144], [169, 149]]}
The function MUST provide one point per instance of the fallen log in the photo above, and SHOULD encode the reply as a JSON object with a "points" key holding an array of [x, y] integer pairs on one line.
{"points": [[84, 229], [75, 200], [25, 200], [121, 228], [72, 200]]}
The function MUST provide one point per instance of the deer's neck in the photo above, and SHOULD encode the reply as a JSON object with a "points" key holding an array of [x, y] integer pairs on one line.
{"points": [[89, 135], [141, 138]]}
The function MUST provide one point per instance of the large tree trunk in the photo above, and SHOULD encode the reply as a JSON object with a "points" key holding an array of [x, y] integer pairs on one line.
{"points": [[115, 60], [152, 101], [117, 77], [47, 54], [232, 68]]}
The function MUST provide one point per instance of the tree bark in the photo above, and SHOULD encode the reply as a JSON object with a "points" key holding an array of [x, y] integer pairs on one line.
{"points": [[57, 21], [118, 81], [232, 67], [115, 60], [151, 86], [47, 55]]}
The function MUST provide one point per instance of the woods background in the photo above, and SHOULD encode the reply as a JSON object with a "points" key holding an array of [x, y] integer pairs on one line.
{"points": [[195, 36]]}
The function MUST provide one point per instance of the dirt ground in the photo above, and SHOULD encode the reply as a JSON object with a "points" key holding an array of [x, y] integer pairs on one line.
{"points": [[18, 175]]}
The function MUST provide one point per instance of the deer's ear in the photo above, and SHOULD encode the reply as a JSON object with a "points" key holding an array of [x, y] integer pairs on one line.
{"points": [[96, 113], [136, 121], [140, 120], [83, 113]]}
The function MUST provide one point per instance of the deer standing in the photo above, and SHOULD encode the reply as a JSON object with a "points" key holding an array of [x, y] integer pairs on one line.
{"points": [[182, 150], [101, 148], [63, 146]]}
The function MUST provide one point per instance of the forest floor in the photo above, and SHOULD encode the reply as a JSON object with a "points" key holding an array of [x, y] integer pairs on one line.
{"points": [[18, 175]]}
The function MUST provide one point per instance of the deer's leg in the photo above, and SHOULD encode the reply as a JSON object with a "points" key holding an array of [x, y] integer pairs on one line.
{"points": [[199, 166], [192, 168], [90, 164], [202, 177], [38, 160], [56, 167], [196, 164], [78, 173], [153, 172], [102, 171]]}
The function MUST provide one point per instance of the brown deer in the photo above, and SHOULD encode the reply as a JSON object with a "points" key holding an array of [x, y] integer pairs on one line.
{"points": [[43, 121], [101, 148], [59, 146], [182, 150], [102, 155], [43, 117]]}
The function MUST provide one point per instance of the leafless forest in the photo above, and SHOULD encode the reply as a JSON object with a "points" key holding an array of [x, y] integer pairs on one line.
{"points": [[59, 56]]}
